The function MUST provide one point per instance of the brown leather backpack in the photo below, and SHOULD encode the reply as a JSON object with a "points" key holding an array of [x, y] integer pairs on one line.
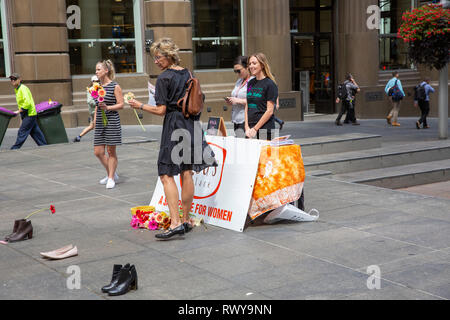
{"points": [[192, 102]]}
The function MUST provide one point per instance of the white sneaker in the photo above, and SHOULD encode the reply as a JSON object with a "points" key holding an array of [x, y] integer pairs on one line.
{"points": [[110, 184], [105, 179]]}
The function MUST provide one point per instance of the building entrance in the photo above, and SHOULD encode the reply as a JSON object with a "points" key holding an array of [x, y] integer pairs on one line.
{"points": [[312, 53]]}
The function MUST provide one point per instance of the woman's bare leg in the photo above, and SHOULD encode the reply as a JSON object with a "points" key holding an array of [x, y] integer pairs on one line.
{"points": [[112, 161], [187, 193], [99, 152], [172, 196], [87, 129]]}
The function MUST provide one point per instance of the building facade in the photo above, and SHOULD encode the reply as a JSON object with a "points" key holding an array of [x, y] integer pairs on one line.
{"points": [[310, 44]]}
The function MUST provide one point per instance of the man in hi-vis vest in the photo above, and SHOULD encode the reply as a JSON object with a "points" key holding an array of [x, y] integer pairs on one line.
{"points": [[28, 114]]}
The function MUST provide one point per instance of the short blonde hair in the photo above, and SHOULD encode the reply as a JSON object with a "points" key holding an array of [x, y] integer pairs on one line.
{"points": [[109, 65], [167, 48]]}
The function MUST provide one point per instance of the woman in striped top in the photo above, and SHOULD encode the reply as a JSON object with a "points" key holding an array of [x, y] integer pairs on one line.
{"points": [[109, 136]]}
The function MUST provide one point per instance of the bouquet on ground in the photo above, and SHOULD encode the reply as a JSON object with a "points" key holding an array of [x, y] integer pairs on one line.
{"points": [[130, 96], [98, 93], [146, 217]]}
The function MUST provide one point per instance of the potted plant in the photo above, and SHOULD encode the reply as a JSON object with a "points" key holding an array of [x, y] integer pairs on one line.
{"points": [[427, 31]]}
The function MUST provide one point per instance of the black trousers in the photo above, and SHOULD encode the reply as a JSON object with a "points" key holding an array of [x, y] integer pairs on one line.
{"points": [[266, 132], [29, 127], [425, 109], [278, 120], [239, 130], [347, 107]]}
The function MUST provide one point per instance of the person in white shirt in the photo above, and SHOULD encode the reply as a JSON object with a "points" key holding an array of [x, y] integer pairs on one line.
{"points": [[238, 97]]}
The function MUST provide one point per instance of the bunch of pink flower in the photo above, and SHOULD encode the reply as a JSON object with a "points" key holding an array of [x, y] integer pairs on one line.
{"points": [[97, 92], [150, 220]]}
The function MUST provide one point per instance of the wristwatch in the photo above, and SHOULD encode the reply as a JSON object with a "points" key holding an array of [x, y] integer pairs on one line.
{"points": [[141, 107]]}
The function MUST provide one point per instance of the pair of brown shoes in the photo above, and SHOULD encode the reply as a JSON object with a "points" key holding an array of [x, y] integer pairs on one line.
{"points": [[22, 230], [61, 253]]}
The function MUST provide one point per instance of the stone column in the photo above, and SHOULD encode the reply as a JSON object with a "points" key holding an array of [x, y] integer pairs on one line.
{"points": [[267, 23], [357, 46], [172, 19], [90, 30], [40, 48]]}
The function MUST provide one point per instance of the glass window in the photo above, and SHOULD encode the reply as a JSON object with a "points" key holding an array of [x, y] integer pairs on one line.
{"points": [[306, 21], [311, 16], [393, 51], [326, 3], [107, 31], [216, 33], [302, 3], [325, 21]]}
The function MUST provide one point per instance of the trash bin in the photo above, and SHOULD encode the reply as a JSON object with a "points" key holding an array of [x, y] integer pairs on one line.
{"points": [[50, 121], [5, 117]]}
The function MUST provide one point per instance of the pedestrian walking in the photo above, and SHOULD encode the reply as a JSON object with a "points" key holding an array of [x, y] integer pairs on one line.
{"points": [[108, 137], [91, 105], [262, 95], [395, 92], [170, 88], [28, 114], [277, 107], [278, 120], [346, 95], [238, 97], [422, 99]]}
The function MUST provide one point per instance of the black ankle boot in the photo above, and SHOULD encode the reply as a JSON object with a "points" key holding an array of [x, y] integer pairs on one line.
{"points": [[115, 277], [127, 280], [171, 232]]}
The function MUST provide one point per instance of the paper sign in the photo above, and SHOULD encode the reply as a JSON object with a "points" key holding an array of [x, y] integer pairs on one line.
{"points": [[216, 127], [222, 194]]}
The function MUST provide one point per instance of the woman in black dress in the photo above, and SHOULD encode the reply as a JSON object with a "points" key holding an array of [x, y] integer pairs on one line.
{"points": [[180, 156]]}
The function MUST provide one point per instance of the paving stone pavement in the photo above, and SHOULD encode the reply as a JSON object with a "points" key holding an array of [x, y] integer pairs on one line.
{"points": [[406, 235]]}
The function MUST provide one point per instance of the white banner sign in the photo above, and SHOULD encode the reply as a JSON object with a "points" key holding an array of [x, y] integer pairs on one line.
{"points": [[222, 194]]}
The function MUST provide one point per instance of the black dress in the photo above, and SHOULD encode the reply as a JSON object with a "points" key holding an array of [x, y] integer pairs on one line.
{"points": [[183, 144]]}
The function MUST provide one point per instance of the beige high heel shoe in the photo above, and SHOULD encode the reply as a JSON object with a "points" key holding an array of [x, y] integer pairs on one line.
{"points": [[61, 253]]}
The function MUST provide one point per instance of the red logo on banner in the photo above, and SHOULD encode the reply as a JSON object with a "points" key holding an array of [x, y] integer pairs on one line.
{"points": [[207, 182]]}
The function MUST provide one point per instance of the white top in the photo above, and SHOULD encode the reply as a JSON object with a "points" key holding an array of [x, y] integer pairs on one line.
{"points": [[240, 92]]}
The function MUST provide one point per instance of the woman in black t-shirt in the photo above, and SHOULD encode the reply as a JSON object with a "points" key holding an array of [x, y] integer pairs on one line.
{"points": [[172, 160], [262, 94]]}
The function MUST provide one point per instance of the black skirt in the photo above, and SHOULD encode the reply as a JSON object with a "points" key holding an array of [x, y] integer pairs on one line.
{"points": [[183, 146]]}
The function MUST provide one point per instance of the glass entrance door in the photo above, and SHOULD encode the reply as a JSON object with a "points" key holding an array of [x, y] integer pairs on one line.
{"points": [[312, 53], [324, 81]]}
